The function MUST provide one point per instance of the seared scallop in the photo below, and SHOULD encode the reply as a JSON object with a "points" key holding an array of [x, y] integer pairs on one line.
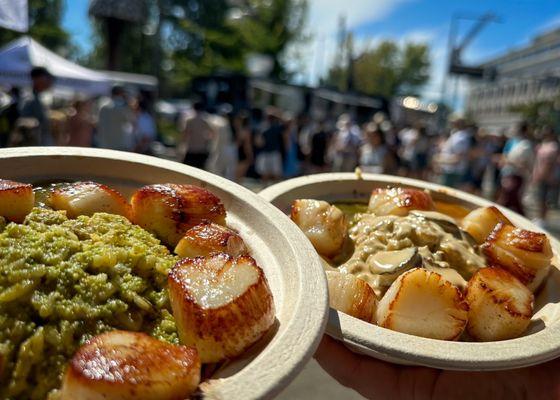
{"points": [[16, 200], [500, 306], [207, 238], [527, 255], [131, 365], [222, 305], [351, 295], [170, 210], [399, 201], [481, 222], [423, 303], [323, 224], [88, 198]]}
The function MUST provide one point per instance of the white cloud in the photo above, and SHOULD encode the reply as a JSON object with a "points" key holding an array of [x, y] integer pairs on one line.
{"points": [[322, 25], [316, 56], [324, 14]]}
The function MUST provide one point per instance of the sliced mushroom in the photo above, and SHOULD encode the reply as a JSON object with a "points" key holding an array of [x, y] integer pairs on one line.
{"points": [[396, 261], [388, 265], [446, 223]]}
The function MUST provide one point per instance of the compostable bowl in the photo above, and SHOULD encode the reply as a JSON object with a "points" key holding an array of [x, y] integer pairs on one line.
{"points": [[290, 263], [540, 343]]}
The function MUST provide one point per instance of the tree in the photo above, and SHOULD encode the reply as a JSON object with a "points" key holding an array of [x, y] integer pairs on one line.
{"points": [[45, 26], [386, 69], [199, 37], [269, 27], [540, 113], [114, 17]]}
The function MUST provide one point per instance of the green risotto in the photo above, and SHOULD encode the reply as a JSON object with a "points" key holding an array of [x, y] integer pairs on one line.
{"points": [[63, 281]]}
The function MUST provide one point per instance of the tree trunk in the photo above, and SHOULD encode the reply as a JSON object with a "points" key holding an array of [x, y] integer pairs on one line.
{"points": [[114, 30]]}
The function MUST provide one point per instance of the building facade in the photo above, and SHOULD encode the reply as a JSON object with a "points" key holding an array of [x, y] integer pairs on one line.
{"points": [[521, 76]]}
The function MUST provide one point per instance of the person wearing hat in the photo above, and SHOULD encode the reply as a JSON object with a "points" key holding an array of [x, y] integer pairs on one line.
{"points": [[42, 81]]}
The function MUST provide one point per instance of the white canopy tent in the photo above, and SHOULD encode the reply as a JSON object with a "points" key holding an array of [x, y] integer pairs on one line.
{"points": [[18, 57]]}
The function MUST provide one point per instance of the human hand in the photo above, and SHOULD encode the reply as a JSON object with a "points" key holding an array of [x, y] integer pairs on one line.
{"points": [[377, 379]]}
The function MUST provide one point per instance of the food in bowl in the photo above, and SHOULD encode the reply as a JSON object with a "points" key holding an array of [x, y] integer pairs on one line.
{"points": [[436, 270], [94, 305]]}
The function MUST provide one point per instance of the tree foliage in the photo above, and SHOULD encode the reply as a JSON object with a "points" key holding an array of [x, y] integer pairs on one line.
{"points": [[540, 113], [45, 26], [387, 69], [200, 37]]}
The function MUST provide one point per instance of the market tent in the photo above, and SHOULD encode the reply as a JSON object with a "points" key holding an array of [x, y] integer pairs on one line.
{"points": [[18, 57]]}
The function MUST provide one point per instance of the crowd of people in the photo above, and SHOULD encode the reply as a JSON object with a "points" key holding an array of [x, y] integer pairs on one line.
{"points": [[119, 122], [271, 144], [274, 145]]}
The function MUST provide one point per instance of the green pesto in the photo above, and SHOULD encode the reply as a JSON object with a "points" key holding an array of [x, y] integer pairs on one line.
{"points": [[63, 281], [351, 208]]}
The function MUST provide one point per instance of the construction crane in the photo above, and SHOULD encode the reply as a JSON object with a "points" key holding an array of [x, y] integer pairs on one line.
{"points": [[456, 66]]}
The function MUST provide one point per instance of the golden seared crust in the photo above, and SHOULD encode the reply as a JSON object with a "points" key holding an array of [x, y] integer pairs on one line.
{"points": [[531, 241], [16, 200], [207, 238], [423, 303], [169, 210], [225, 327], [501, 306], [493, 280], [480, 222], [131, 365], [324, 225], [351, 295], [525, 254], [399, 201], [88, 198], [499, 215]]}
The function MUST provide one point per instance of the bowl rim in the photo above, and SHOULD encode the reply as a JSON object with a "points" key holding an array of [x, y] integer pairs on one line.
{"points": [[303, 330], [395, 346]]}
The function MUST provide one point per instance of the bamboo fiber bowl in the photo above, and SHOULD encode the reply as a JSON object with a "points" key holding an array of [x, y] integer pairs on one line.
{"points": [[290, 263], [541, 342]]}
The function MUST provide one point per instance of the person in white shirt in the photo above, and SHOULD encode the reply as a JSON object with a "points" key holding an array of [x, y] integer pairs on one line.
{"points": [[223, 152], [145, 130], [517, 165], [453, 158], [115, 127], [346, 145]]}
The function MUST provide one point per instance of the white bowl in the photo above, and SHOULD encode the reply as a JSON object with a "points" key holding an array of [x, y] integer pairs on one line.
{"points": [[540, 343], [290, 263]]}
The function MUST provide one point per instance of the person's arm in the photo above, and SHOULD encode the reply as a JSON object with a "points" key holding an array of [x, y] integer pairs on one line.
{"points": [[183, 143], [247, 144]]}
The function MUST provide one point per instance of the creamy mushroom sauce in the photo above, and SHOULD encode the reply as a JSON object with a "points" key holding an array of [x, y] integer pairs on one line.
{"points": [[377, 242]]}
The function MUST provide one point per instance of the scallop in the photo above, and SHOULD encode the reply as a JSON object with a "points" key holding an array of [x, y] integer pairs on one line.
{"points": [[88, 198], [221, 304], [16, 200], [207, 238], [352, 296], [481, 222], [525, 254], [121, 365], [500, 306], [423, 303], [170, 210], [324, 225], [399, 201]]}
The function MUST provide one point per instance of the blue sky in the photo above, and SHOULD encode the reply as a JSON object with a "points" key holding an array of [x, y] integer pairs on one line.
{"points": [[402, 20]]}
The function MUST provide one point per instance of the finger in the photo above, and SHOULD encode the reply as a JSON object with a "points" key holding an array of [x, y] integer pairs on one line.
{"points": [[369, 377]]}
